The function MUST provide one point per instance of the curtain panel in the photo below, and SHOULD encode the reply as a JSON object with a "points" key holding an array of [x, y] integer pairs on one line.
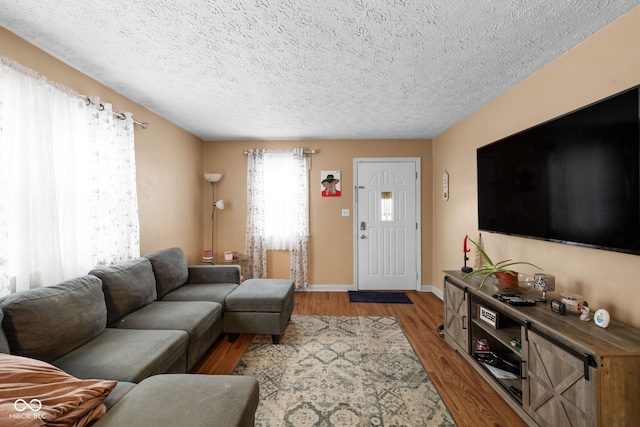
{"points": [[62, 187], [278, 210], [255, 240]]}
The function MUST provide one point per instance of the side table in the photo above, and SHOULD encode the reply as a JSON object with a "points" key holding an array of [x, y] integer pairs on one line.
{"points": [[240, 260]]}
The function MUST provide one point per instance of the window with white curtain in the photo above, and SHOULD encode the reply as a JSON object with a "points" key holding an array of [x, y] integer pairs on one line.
{"points": [[285, 197], [68, 195], [278, 210]]}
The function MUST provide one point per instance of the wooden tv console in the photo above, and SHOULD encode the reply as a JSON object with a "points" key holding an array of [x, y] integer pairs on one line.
{"points": [[564, 372]]}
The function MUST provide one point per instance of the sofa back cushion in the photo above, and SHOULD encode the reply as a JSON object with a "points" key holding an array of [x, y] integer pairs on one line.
{"points": [[170, 269], [4, 344], [127, 287], [47, 323]]}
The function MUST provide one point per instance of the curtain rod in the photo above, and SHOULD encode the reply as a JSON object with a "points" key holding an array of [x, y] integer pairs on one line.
{"points": [[304, 151], [26, 71], [118, 114]]}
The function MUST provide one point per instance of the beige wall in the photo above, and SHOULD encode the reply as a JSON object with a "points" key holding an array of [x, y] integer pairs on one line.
{"points": [[331, 243], [175, 202], [169, 159], [604, 64]]}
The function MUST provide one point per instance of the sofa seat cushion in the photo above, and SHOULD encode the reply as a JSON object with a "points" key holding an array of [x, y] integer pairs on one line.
{"points": [[46, 323], [194, 400], [170, 269], [195, 317], [127, 287], [119, 391], [127, 355], [201, 320], [213, 292], [261, 295], [61, 399]]}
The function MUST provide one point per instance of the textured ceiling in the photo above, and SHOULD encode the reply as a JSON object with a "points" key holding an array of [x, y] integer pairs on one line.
{"points": [[269, 69]]}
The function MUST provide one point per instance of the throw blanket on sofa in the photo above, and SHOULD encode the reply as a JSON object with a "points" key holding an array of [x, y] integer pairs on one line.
{"points": [[35, 393]]}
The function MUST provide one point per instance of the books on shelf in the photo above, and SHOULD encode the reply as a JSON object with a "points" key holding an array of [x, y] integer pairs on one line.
{"points": [[501, 374]]}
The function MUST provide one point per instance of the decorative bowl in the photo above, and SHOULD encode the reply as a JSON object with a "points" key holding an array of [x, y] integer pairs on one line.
{"points": [[509, 283]]}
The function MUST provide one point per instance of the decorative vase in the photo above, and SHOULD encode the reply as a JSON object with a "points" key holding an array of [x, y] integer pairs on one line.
{"points": [[507, 281]]}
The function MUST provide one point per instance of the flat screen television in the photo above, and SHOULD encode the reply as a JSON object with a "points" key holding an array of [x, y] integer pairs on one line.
{"points": [[574, 179]]}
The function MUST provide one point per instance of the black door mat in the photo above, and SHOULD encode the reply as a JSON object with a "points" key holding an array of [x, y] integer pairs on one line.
{"points": [[380, 297]]}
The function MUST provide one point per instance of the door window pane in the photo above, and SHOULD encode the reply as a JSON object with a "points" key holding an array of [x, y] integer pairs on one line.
{"points": [[386, 206]]}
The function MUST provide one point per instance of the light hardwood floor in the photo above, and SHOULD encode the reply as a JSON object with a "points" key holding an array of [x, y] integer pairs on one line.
{"points": [[470, 399]]}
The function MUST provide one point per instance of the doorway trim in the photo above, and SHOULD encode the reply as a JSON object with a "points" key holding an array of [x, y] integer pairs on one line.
{"points": [[418, 205]]}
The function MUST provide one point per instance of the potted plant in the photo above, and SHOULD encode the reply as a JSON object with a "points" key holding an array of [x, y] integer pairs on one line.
{"points": [[507, 278]]}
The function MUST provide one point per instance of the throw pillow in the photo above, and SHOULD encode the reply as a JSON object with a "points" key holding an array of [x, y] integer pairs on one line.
{"points": [[35, 393]]}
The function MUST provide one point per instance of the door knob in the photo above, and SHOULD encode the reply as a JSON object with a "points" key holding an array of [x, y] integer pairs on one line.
{"points": [[362, 236]]}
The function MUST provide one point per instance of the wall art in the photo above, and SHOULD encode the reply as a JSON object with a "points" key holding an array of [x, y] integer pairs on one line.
{"points": [[330, 181]]}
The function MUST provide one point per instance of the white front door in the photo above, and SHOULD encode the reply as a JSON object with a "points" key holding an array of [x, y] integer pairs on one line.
{"points": [[387, 229]]}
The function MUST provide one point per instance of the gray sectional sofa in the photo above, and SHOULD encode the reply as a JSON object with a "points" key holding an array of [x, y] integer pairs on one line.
{"points": [[132, 303], [144, 323]]}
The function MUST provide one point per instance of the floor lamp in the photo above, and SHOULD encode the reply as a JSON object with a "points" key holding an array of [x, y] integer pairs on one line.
{"points": [[213, 178]]}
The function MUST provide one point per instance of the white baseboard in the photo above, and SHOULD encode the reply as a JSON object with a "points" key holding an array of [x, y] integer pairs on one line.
{"points": [[430, 288], [345, 288], [327, 288]]}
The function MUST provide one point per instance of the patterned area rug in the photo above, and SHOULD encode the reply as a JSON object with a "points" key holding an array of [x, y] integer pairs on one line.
{"points": [[342, 371]]}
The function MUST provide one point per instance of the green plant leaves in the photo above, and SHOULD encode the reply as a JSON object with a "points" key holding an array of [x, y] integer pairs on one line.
{"points": [[489, 268]]}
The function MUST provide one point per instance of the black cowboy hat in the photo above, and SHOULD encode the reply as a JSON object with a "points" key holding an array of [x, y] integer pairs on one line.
{"points": [[329, 179]]}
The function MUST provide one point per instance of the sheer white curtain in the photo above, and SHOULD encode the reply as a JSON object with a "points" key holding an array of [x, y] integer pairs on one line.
{"points": [[113, 202], [255, 240], [299, 217], [277, 210], [51, 186]]}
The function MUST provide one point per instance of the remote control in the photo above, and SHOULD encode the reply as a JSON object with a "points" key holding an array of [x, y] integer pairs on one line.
{"points": [[521, 302], [513, 299], [505, 297]]}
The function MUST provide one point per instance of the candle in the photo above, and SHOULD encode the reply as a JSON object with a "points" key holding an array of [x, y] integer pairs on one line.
{"points": [[465, 244]]}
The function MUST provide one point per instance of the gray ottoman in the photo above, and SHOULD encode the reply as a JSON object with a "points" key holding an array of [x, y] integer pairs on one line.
{"points": [[258, 306]]}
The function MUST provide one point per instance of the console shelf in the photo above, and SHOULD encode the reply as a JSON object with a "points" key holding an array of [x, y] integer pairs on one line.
{"points": [[504, 335], [563, 372]]}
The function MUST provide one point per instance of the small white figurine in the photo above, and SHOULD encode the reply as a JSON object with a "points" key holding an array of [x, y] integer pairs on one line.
{"points": [[585, 312]]}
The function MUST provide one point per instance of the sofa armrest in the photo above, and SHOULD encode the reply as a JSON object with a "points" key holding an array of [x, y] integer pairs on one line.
{"points": [[187, 399], [4, 343], [199, 274]]}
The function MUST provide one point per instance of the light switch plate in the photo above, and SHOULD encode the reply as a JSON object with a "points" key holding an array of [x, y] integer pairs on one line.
{"points": [[345, 212]]}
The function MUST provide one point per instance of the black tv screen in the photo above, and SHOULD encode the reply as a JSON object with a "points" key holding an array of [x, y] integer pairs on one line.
{"points": [[574, 179]]}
